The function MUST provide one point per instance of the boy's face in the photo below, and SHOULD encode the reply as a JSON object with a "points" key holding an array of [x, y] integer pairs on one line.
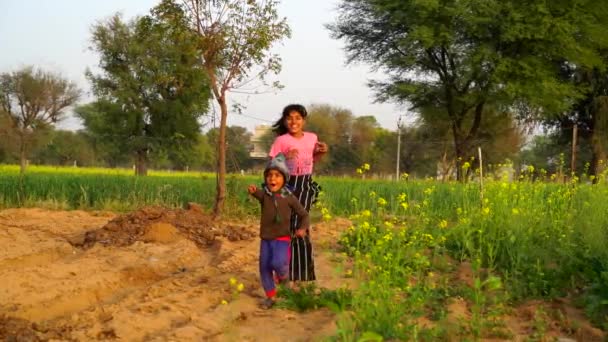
{"points": [[274, 180]]}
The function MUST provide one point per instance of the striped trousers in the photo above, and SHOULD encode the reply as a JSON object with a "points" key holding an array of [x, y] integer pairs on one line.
{"points": [[302, 267]]}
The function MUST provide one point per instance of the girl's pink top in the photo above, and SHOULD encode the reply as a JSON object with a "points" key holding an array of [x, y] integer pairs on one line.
{"points": [[302, 164]]}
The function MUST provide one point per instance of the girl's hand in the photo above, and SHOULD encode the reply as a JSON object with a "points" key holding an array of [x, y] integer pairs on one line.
{"points": [[291, 154], [321, 147], [301, 232], [251, 189]]}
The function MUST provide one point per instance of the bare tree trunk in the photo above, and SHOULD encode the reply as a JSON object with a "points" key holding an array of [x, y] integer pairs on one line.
{"points": [[22, 154], [141, 163], [598, 162], [221, 160], [459, 151], [599, 135], [446, 166]]}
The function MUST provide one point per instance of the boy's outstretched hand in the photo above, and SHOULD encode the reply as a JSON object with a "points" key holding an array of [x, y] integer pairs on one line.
{"points": [[251, 189]]}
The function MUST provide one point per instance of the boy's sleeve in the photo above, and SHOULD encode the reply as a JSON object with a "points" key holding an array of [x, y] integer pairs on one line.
{"points": [[302, 213], [258, 194]]}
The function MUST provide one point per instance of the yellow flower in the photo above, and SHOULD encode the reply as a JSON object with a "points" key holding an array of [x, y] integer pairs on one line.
{"points": [[372, 194], [381, 202], [530, 168], [404, 205], [366, 213], [232, 281], [443, 224], [388, 237], [224, 302], [466, 165], [359, 171], [402, 197], [486, 211], [240, 287], [515, 211], [365, 167]]}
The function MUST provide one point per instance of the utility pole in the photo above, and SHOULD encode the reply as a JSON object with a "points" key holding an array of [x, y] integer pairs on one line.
{"points": [[573, 161], [398, 146]]}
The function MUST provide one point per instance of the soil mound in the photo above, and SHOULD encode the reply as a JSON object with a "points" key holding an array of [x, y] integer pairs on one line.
{"points": [[21, 330], [163, 225], [16, 329]]}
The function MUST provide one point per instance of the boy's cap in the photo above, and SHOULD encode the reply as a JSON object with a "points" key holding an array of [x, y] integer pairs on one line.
{"points": [[278, 163]]}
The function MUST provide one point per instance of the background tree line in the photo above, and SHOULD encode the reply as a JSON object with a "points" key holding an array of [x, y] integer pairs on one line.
{"points": [[425, 146], [466, 78]]}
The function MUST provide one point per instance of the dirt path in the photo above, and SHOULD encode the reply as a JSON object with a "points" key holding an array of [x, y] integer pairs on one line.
{"points": [[164, 279], [162, 275]]}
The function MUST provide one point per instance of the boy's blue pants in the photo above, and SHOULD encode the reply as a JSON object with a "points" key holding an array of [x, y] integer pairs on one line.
{"points": [[274, 256]]}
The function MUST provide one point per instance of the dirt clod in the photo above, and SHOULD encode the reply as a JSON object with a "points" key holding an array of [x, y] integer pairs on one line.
{"points": [[163, 225], [21, 330], [16, 329]]}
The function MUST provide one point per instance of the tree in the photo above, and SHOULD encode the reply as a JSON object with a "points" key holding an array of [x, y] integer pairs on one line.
{"points": [[545, 152], [106, 127], [334, 125], [65, 148], [238, 146], [363, 137], [457, 56], [153, 88], [589, 114], [236, 37], [500, 137], [32, 100]]}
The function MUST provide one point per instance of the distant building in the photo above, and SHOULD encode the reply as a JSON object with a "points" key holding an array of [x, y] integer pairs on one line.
{"points": [[258, 151]]}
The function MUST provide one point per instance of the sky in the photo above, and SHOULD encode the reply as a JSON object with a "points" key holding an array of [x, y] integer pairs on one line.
{"points": [[55, 35]]}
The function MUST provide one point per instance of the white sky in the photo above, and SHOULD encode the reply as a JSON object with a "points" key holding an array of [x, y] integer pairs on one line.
{"points": [[55, 35]]}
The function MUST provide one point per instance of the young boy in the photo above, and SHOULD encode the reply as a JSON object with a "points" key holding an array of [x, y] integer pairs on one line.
{"points": [[277, 203]]}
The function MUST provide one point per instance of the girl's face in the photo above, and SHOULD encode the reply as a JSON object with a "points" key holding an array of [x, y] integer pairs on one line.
{"points": [[295, 123], [274, 180]]}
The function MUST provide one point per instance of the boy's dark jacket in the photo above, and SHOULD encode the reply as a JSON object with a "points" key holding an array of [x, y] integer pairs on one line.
{"points": [[276, 222]]}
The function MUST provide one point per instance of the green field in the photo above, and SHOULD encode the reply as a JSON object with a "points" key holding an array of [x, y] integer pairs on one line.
{"points": [[524, 239]]}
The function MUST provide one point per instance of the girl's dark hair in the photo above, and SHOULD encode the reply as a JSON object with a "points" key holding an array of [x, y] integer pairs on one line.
{"points": [[279, 127]]}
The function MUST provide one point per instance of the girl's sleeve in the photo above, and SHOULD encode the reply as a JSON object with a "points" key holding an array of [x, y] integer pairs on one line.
{"points": [[276, 148]]}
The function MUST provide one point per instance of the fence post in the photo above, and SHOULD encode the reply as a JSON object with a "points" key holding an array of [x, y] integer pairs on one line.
{"points": [[480, 175]]}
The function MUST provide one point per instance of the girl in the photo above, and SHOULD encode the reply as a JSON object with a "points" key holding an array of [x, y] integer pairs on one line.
{"points": [[302, 149]]}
